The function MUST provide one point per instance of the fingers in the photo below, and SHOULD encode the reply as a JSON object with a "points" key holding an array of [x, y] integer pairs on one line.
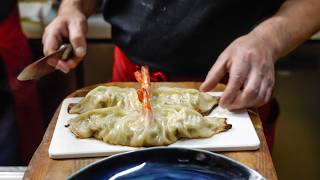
{"points": [[72, 63], [249, 95], [257, 91], [77, 35], [238, 74], [51, 41], [63, 66], [75, 29], [261, 99], [214, 76], [268, 94], [251, 73], [247, 86]]}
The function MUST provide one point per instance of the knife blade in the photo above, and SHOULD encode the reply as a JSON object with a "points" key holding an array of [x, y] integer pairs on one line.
{"points": [[41, 67]]}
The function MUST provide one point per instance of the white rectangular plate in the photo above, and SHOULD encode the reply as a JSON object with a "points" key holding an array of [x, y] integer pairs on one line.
{"points": [[242, 136]]}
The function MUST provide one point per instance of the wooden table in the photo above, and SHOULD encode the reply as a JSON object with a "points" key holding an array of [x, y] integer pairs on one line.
{"points": [[42, 167]]}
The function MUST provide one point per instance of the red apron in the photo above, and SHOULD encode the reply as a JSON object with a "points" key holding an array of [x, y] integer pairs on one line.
{"points": [[15, 54], [123, 71]]}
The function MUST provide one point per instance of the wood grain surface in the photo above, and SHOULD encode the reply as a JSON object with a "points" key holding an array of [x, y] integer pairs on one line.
{"points": [[42, 167]]}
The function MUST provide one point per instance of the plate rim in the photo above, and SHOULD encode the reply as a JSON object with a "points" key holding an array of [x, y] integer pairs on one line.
{"points": [[256, 174]]}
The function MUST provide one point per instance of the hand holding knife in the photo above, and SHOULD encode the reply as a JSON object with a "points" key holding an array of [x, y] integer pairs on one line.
{"points": [[41, 67]]}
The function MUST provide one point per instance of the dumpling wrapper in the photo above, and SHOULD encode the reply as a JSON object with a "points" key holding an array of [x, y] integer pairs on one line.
{"points": [[102, 97], [122, 127], [191, 98]]}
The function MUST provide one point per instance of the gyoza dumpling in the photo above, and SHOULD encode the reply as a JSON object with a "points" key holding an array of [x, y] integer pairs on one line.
{"points": [[103, 96], [191, 98], [122, 127]]}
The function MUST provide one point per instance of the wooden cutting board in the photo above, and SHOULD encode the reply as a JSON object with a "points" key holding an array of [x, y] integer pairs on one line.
{"points": [[242, 136], [43, 167]]}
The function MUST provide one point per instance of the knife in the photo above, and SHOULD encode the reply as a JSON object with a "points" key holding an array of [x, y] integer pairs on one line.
{"points": [[41, 67]]}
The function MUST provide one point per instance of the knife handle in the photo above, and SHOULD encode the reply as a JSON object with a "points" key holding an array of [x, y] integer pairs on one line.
{"points": [[66, 51]]}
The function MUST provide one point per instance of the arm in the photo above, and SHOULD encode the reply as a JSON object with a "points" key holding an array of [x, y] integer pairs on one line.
{"points": [[294, 23], [71, 22], [249, 60]]}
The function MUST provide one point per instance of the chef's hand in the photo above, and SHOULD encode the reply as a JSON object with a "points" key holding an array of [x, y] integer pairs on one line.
{"points": [[250, 65], [70, 23]]}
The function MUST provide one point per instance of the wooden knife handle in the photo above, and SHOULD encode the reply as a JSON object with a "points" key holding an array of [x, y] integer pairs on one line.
{"points": [[66, 51]]}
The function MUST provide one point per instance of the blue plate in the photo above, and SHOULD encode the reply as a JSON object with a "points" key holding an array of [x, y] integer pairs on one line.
{"points": [[166, 163]]}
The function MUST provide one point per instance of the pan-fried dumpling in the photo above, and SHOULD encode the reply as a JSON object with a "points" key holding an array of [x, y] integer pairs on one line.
{"points": [[122, 127], [103, 96], [191, 98], [146, 116]]}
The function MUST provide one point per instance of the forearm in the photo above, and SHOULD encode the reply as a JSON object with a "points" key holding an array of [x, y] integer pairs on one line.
{"points": [[87, 7], [294, 23]]}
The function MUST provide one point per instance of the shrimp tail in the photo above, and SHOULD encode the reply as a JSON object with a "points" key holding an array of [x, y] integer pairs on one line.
{"points": [[144, 92]]}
